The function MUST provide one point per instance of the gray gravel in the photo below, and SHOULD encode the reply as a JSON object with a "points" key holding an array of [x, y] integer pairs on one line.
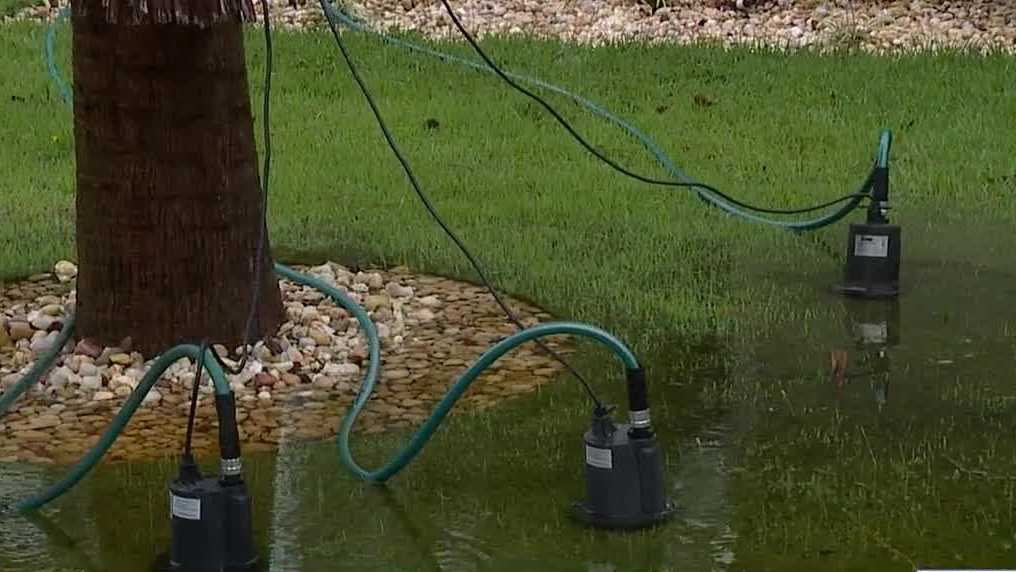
{"points": [[887, 26]]}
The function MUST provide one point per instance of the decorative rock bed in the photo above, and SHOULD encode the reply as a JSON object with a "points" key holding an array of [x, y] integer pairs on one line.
{"points": [[873, 25], [297, 385]]}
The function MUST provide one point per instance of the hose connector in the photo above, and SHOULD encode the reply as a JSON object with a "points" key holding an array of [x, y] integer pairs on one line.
{"points": [[878, 211], [230, 467], [229, 438], [638, 403], [640, 419]]}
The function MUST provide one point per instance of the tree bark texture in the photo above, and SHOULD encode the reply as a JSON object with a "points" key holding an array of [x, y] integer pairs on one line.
{"points": [[168, 200]]}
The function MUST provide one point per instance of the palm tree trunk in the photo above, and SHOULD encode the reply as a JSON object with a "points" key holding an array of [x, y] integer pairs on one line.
{"points": [[168, 201]]}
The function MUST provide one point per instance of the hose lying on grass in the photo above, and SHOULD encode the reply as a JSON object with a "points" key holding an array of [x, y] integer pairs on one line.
{"points": [[218, 377]]}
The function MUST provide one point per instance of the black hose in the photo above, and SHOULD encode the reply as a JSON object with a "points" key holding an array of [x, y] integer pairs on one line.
{"points": [[255, 297], [187, 450], [614, 164], [433, 211]]}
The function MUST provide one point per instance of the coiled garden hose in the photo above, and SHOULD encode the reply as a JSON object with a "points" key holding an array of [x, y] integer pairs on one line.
{"points": [[218, 377]]}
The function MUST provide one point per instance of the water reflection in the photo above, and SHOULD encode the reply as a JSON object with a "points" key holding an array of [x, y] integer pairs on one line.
{"points": [[33, 540], [61, 543], [703, 493], [873, 328], [284, 554]]}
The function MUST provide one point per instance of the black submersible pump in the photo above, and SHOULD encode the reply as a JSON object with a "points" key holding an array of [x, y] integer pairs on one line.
{"points": [[873, 248], [212, 528], [625, 485]]}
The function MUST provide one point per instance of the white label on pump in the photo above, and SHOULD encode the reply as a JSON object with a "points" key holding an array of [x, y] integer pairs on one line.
{"points": [[874, 333], [184, 507], [600, 458], [872, 246]]}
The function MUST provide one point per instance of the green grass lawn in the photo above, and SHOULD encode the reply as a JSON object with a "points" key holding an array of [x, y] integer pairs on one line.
{"points": [[771, 129], [12, 7], [677, 279]]}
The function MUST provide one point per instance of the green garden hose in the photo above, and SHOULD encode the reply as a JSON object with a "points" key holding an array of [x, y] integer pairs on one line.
{"points": [[426, 431], [885, 142], [401, 459], [338, 16], [647, 142], [218, 377], [92, 458], [430, 426], [39, 368]]}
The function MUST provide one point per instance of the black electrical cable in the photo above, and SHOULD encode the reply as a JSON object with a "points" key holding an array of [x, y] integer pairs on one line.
{"points": [[187, 451], [248, 331], [615, 165], [433, 211]]}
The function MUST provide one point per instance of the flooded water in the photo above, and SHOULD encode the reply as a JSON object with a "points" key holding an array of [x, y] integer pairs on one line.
{"points": [[847, 435]]}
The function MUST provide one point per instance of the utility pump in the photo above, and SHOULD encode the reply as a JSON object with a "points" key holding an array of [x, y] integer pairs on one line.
{"points": [[625, 485], [212, 529], [873, 248]]}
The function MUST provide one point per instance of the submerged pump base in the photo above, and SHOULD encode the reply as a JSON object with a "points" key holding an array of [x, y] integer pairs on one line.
{"points": [[212, 521], [212, 528], [624, 477]]}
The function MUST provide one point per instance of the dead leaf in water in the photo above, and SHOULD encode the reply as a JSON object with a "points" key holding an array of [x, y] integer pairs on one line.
{"points": [[838, 363]]}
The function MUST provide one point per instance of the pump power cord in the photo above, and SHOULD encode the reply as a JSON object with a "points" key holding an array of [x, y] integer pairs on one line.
{"points": [[255, 295], [433, 211], [612, 163], [188, 454], [661, 157]]}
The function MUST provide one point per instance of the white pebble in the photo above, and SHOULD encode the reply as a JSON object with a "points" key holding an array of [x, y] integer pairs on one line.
{"points": [[282, 366], [398, 291], [153, 397], [9, 380], [65, 271], [309, 314], [59, 377], [91, 382], [44, 342], [423, 315], [347, 369], [41, 321], [294, 355], [123, 381], [430, 301], [324, 382]]}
